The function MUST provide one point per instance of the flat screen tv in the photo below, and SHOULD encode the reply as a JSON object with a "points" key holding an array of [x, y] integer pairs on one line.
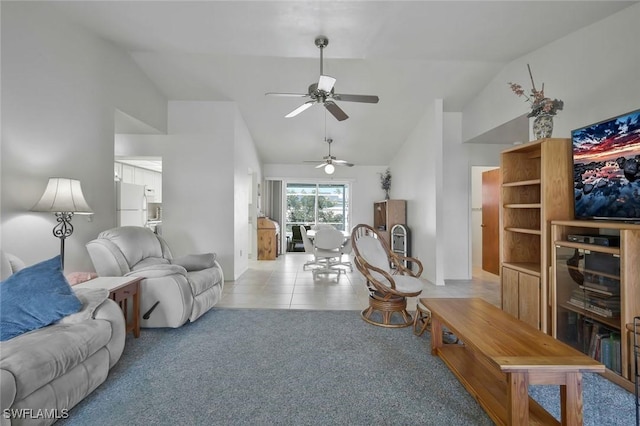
{"points": [[606, 169]]}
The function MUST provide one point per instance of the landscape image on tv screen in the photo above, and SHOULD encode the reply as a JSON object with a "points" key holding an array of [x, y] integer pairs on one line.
{"points": [[606, 169]]}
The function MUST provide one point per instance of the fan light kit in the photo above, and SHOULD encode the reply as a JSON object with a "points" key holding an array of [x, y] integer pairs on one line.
{"points": [[322, 92], [329, 169], [329, 161]]}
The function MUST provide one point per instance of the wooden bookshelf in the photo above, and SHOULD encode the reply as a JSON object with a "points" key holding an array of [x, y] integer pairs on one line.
{"points": [[536, 188], [388, 213]]}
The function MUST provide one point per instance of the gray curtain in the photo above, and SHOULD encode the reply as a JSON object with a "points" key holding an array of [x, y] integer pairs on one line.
{"points": [[273, 200]]}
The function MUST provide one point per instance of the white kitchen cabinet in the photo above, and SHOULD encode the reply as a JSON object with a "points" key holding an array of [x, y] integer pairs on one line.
{"points": [[139, 176], [157, 186], [127, 173], [117, 171]]}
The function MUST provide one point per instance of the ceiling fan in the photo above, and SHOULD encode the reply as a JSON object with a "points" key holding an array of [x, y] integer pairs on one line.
{"points": [[322, 92], [329, 161]]}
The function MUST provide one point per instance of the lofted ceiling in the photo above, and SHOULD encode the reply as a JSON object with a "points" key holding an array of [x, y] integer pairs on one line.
{"points": [[406, 52]]}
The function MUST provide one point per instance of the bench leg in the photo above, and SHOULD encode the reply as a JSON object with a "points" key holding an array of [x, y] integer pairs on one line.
{"points": [[436, 335], [571, 399], [517, 399]]}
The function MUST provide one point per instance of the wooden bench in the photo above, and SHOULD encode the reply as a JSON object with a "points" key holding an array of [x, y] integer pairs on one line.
{"points": [[501, 356]]}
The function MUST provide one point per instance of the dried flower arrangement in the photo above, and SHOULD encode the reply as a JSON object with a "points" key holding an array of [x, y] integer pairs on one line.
{"points": [[385, 180], [540, 105]]}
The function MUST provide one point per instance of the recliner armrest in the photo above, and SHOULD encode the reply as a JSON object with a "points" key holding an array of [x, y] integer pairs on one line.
{"points": [[196, 262], [156, 271]]}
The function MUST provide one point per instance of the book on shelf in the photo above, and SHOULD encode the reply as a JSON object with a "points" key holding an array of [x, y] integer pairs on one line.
{"points": [[616, 349], [605, 351], [598, 347], [604, 346], [609, 353]]}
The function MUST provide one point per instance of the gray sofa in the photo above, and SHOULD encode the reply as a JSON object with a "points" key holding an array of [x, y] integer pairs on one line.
{"points": [[174, 290], [49, 370]]}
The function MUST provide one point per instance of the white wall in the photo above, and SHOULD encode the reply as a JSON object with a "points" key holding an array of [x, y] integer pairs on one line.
{"points": [[246, 164], [415, 178], [459, 160], [593, 70], [455, 201], [205, 159], [432, 171], [61, 86]]}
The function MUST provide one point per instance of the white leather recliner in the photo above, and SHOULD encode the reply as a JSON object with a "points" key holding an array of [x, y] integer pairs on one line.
{"points": [[174, 289]]}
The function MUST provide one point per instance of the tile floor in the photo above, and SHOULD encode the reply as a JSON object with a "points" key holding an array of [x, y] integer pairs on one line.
{"points": [[283, 284]]}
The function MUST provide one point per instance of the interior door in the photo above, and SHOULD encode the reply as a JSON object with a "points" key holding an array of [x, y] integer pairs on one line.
{"points": [[491, 221]]}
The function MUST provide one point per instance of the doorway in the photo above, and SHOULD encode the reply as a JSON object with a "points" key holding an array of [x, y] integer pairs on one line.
{"points": [[485, 241]]}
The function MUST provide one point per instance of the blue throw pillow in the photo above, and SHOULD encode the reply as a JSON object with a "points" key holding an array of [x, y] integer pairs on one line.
{"points": [[35, 297]]}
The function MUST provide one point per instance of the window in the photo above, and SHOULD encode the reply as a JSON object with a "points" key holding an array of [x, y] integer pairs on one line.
{"points": [[310, 204]]}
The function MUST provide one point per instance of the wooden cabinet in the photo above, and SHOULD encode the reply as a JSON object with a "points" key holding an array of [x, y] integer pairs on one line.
{"points": [[268, 239], [388, 213], [536, 188], [596, 291], [521, 295]]}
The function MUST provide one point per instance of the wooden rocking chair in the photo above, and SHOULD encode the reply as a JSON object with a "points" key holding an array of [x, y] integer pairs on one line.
{"points": [[388, 280]]}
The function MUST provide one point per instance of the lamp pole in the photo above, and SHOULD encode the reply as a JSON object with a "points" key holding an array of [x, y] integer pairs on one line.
{"points": [[62, 230]]}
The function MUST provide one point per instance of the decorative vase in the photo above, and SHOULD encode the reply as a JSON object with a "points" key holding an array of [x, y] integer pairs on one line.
{"points": [[386, 194], [543, 126]]}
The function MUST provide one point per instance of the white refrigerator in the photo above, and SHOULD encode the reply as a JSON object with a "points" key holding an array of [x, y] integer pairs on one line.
{"points": [[131, 204]]}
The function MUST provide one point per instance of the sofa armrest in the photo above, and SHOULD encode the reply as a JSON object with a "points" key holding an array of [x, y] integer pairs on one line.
{"points": [[8, 390], [110, 311], [219, 266]]}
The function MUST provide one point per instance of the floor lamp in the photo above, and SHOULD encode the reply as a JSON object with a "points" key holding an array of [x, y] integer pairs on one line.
{"points": [[64, 198]]}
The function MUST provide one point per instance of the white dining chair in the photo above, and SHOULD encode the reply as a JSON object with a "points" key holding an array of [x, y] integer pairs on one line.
{"points": [[345, 250], [308, 248], [327, 248]]}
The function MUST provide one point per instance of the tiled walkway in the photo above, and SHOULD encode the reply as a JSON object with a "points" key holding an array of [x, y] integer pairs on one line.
{"points": [[283, 284]]}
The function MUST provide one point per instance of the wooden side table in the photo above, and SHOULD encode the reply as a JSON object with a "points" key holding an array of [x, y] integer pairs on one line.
{"points": [[120, 290]]}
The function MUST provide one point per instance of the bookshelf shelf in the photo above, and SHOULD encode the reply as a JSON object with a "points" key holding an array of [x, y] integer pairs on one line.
{"points": [[524, 231], [523, 206], [595, 293], [523, 183]]}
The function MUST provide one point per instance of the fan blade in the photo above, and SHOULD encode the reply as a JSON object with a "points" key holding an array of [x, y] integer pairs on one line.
{"points": [[301, 108], [321, 165], [326, 83], [343, 163], [335, 110], [369, 99], [293, 95]]}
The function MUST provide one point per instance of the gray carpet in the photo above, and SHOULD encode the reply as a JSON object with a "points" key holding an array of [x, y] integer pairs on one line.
{"points": [[236, 366]]}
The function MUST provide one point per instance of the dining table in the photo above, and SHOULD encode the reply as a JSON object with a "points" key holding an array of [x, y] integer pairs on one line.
{"points": [[311, 233]]}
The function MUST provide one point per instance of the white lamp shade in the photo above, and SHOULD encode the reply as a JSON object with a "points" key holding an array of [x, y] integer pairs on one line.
{"points": [[329, 169], [63, 195]]}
